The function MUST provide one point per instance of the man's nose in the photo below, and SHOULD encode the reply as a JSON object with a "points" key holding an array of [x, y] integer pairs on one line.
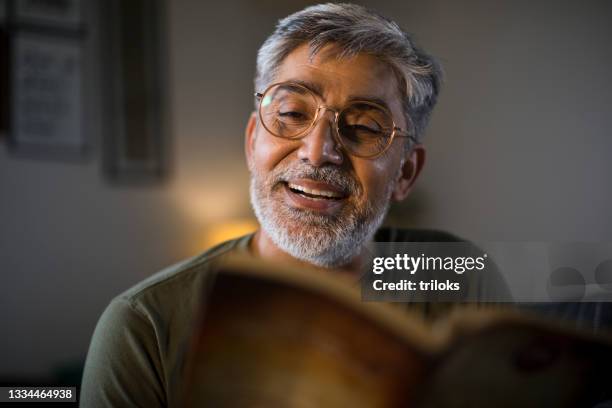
{"points": [[319, 146]]}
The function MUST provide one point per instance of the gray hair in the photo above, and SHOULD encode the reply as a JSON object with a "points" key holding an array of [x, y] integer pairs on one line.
{"points": [[356, 29]]}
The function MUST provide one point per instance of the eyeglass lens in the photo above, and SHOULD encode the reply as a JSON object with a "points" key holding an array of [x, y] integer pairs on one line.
{"points": [[289, 110]]}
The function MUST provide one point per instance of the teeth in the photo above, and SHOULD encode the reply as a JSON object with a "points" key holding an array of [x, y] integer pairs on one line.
{"points": [[324, 193]]}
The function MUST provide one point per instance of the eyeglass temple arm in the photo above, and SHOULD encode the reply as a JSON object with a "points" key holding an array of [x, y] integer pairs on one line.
{"points": [[399, 132]]}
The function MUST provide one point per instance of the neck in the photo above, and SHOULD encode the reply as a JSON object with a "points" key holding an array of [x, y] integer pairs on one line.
{"points": [[263, 247]]}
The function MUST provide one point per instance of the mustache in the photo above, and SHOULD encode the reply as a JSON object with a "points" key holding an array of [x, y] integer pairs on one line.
{"points": [[329, 174]]}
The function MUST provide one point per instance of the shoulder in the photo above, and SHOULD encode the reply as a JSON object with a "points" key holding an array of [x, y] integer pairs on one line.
{"points": [[184, 279], [136, 349]]}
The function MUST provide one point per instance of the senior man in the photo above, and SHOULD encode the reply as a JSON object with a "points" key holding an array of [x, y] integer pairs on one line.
{"points": [[343, 96]]}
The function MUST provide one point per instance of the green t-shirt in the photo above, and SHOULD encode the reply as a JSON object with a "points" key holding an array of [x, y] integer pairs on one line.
{"points": [[135, 356], [136, 353]]}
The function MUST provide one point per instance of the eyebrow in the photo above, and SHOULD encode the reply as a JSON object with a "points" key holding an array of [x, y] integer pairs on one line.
{"points": [[314, 87], [318, 90]]}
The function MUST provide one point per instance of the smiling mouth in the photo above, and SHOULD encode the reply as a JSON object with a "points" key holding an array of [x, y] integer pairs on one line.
{"points": [[314, 194]]}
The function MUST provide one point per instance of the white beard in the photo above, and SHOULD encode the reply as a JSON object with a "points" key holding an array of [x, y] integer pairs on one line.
{"points": [[322, 240]]}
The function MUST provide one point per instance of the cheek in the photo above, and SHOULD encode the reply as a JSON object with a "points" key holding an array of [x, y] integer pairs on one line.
{"points": [[268, 151], [375, 177]]}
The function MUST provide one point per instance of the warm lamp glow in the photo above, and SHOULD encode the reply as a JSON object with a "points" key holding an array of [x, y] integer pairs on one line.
{"points": [[206, 205], [223, 231]]}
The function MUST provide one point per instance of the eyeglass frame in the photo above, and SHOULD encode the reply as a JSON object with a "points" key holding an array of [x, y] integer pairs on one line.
{"points": [[396, 131]]}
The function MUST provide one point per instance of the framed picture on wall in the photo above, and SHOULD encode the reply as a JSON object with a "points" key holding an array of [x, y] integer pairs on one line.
{"points": [[3, 11], [136, 147], [4, 70], [63, 14], [47, 95]]}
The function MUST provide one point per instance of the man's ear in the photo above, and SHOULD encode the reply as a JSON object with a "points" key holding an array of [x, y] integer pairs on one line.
{"points": [[409, 172], [249, 137]]}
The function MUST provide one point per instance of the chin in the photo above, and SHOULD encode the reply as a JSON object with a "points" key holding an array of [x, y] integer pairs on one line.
{"points": [[319, 238]]}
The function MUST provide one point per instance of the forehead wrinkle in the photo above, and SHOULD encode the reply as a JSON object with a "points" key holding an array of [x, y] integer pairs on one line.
{"points": [[318, 90], [329, 61], [328, 72]]}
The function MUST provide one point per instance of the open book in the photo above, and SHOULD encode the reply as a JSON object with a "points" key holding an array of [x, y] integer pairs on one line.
{"points": [[271, 336]]}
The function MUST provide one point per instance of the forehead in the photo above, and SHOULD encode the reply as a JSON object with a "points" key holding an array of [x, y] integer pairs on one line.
{"points": [[338, 79]]}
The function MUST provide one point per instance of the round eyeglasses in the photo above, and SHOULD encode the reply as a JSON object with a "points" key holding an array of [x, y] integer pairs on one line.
{"points": [[365, 129]]}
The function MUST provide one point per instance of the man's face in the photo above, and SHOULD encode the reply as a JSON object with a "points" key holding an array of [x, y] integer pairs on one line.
{"points": [[314, 200]]}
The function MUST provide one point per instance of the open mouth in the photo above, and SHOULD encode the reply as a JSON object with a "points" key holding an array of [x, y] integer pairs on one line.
{"points": [[315, 196], [313, 193]]}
